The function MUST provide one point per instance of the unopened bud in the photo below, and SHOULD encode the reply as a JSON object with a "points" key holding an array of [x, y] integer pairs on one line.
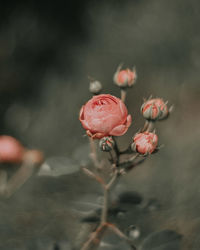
{"points": [[106, 143], [95, 87], [145, 143], [154, 109], [125, 78]]}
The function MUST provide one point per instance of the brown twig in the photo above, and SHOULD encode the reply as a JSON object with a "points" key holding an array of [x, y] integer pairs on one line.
{"points": [[94, 176], [121, 235]]}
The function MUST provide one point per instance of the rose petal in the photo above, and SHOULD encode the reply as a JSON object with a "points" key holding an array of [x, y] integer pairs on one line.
{"points": [[123, 109], [128, 121], [119, 130], [81, 114], [85, 124]]}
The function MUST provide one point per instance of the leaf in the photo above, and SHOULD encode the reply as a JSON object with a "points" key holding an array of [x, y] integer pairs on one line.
{"points": [[162, 240], [130, 197], [81, 154], [57, 166]]}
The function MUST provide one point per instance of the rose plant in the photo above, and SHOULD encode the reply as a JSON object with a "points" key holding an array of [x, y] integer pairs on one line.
{"points": [[104, 117]]}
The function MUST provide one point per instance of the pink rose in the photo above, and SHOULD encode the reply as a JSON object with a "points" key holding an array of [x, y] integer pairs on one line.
{"points": [[155, 109], [125, 78], [145, 143], [105, 115], [11, 150]]}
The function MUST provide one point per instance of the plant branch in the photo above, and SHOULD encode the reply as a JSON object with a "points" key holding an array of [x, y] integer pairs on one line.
{"points": [[121, 235]]}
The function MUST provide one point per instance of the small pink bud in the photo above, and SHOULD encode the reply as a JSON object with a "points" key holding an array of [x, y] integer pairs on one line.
{"points": [[125, 78], [11, 150], [106, 143], [145, 143], [154, 109]]}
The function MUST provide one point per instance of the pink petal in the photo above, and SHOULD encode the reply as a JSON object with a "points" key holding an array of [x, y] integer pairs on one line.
{"points": [[81, 115], [84, 124], [118, 130], [128, 121]]}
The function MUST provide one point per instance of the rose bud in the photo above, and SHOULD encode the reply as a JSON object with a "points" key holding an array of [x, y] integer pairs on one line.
{"points": [[104, 115], [11, 150], [106, 143], [145, 143], [95, 87], [155, 109], [125, 78]]}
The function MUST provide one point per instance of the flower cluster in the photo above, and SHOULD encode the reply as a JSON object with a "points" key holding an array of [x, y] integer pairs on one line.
{"points": [[104, 117]]}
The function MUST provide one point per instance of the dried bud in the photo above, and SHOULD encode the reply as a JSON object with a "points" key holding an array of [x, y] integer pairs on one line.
{"points": [[125, 78], [11, 150], [145, 143], [155, 109], [95, 87], [106, 143]]}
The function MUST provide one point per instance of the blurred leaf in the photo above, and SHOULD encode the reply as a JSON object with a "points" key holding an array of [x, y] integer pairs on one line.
{"points": [[57, 166], [163, 240], [153, 205], [90, 219], [46, 243], [112, 241], [130, 197], [81, 154]]}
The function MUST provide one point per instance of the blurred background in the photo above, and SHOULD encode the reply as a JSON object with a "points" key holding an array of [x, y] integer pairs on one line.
{"points": [[47, 51]]}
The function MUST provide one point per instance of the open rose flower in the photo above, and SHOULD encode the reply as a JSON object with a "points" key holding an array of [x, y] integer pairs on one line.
{"points": [[145, 143], [105, 115]]}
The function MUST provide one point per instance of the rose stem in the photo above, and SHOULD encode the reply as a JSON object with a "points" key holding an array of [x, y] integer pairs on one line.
{"points": [[93, 154], [117, 151], [19, 178], [94, 176], [133, 157], [96, 236], [3, 182], [150, 126], [121, 234], [145, 126], [111, 157], [123, 95]]}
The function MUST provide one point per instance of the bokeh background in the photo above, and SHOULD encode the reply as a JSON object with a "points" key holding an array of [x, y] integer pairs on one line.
{"points": [[47, 51]]}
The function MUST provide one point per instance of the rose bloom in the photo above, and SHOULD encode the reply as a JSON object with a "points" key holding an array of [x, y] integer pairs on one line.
{"points": [[105, 115], [11, 150], [145, 142], [125, 78], [155, 109]]}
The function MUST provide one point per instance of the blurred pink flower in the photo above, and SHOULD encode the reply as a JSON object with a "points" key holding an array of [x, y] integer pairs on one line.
{"points": [[145, 142], [105, 115], [11, 150]]}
